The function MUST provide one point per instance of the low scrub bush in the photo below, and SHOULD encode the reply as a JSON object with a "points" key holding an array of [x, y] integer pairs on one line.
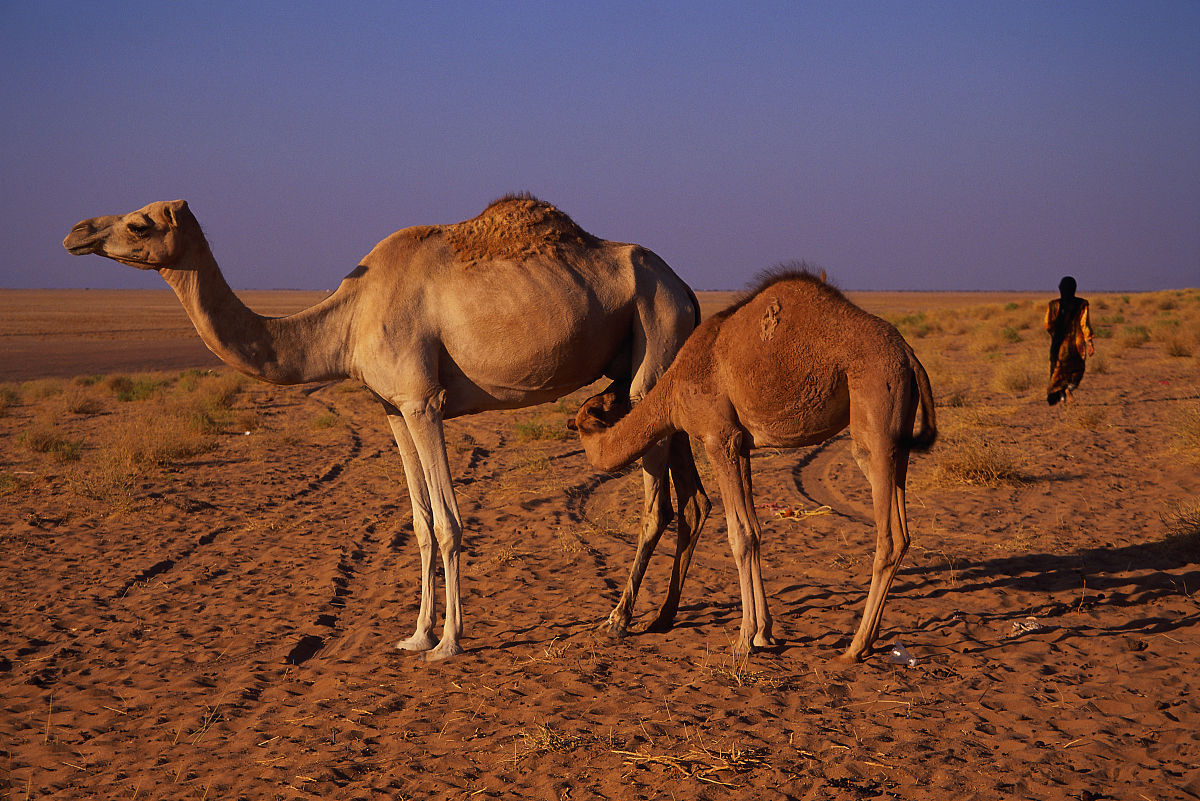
{"points": [[46, 439]]}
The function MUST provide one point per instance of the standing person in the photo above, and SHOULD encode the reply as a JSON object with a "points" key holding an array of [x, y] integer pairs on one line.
{"points": [[1070, 335]]}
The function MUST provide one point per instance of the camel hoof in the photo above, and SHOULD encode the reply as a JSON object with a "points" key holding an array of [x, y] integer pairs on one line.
{"points": [[846, 659], [442, 651], [417, 642], [765, 641], [661, 624], [615, 629]]}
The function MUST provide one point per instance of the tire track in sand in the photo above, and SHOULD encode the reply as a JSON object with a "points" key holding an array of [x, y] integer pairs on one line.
{"points": [[125, 612], [814, 476]]}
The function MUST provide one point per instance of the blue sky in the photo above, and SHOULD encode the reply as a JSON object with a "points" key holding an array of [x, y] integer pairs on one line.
{"points": [[916, 145]]}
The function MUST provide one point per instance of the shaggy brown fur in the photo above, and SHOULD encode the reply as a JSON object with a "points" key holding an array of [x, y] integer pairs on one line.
{"points": [[516, 227]]}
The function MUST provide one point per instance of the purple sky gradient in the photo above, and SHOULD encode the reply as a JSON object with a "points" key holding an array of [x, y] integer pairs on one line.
{"points": [[900, 145]]}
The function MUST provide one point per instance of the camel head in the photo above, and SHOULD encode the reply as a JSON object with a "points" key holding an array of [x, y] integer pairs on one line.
{"points": [[598, 413], [158, 235]]}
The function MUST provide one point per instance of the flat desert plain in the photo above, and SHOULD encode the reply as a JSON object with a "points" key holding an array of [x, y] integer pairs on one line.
{"points": [[202, 578]]}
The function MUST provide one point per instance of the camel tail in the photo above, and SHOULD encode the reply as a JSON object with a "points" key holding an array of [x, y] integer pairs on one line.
{"points": [[695, 306], [922, 439]]}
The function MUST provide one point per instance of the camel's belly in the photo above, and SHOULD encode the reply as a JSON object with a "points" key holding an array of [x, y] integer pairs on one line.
{"points": [[796, 417]]}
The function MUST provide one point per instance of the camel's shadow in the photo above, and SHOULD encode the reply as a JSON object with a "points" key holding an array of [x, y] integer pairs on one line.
{"points": [[1137, 576]]}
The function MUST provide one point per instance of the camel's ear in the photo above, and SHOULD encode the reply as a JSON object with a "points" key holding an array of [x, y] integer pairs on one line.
{"points": [[590, 418], [177, 211], [571, 425]]}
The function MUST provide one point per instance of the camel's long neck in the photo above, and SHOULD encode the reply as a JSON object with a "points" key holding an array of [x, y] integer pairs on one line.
{"points": [[306, 346], [632, 435]]}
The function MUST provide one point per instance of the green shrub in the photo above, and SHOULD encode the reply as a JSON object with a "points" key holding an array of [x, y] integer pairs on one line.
{"points": [[540, 430], [134, 389]]}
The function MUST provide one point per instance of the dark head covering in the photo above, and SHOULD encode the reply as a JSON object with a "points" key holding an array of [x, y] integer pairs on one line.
{"points": [[1066, 287]]}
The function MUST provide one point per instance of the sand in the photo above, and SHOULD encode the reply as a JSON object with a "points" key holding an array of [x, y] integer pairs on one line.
{"points": [[222, 626]]}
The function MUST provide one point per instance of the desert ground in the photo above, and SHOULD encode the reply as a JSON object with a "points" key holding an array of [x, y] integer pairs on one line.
{"points": [[202, 578]]}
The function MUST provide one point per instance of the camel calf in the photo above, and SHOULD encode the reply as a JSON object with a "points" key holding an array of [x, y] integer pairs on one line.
{"points": [[792, 364]]}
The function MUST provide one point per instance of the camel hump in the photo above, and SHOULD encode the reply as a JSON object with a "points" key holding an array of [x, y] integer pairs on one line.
{"points": [[514, 228]]}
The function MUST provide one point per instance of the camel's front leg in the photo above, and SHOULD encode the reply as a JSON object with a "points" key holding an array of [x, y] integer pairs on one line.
{"points": [[422, 639], [656, 516], [424, 423], [731, 463], [693, 508]]}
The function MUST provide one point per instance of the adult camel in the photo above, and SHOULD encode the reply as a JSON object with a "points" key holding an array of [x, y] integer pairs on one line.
{"points": [[792, 364], [515, 307]]}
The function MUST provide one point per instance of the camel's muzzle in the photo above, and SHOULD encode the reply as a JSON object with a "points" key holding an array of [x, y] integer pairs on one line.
{"points": [[84, 238]]}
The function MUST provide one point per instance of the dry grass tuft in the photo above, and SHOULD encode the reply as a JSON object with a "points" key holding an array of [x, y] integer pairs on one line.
{"points": [[541, 430], [47, 439], [327, 420], [81, 402], [135, 448], [9, 397], [138, 388], [1182, 535], [41, 389], [1134, 336], [953, 397], [976, 462], [11, 483], [703, 763], [1091, 417], [1187, 429], [1018, 375], [734, 669], [916, 326], [193, 409], [1178, 347], [539, 740]]}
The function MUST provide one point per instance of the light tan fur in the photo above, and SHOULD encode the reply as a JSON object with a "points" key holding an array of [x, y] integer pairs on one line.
{"points": [[516, 307], [793, 364]]}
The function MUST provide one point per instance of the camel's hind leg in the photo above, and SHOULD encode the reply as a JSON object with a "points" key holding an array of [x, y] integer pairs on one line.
{"points": [[885, 465]]}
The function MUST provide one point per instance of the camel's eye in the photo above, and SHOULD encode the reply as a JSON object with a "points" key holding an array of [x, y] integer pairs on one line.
{"points": [[138, 227]]}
